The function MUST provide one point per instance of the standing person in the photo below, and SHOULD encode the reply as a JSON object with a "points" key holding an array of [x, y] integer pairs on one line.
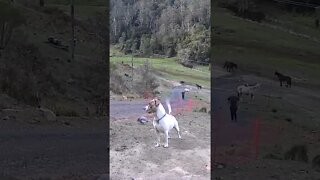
{"points": [[183, 93], [317, 22], [233, 101]]}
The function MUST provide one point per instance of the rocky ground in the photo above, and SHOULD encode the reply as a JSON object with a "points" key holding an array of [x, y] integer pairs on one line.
{"points": [[132, 150]]}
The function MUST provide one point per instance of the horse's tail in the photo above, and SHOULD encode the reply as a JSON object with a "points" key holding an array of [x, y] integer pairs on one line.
{"points": [[169, 106]]}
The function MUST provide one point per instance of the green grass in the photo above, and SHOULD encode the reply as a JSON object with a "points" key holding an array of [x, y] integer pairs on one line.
{"points": [[263, 50], [79, 2], [82, 12], [170, 68]]}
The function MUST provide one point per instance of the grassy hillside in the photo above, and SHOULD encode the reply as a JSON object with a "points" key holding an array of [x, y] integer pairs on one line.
{"points": [[69, 87], [169, 68], [262, 48], [67, 2]]}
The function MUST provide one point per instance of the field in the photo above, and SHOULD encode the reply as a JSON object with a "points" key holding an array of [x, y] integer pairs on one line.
{"points": [[170, 69], [286, 116], [261, 49]]}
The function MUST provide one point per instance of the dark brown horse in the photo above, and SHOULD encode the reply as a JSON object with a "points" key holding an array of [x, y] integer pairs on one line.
{"points": [[230, 66], [283, 78]]}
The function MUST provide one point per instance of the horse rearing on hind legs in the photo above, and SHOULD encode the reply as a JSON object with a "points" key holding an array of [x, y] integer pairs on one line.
{"points": [[283, 78], [230, 66]]}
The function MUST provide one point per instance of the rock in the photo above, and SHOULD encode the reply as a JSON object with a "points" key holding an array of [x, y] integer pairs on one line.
{"points": [[34, 121], [103, 177], [220, 166], [275, 177], [204, 109], [122, 148], [48, 114], [143, 120], [70, 81], [6, 118]]}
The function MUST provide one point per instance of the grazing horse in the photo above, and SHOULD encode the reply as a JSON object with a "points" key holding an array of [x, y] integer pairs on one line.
{"points": [[283, 78], [199, 86], [247, 89], [230, 66]]}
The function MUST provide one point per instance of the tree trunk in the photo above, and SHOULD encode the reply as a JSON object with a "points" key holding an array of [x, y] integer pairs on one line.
{"points": [[72, 25], [2, 36], [8, 36], [41, 2]]}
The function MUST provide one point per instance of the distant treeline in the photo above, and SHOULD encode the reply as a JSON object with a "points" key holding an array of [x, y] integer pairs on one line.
{"points": [[255, 9], [162, 27]]}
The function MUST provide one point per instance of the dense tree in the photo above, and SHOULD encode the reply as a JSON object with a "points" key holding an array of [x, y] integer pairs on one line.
{"points": [[10, 18], [162, 27]]}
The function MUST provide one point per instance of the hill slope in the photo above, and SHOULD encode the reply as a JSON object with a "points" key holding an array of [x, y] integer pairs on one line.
{"points": [[62, 85]]}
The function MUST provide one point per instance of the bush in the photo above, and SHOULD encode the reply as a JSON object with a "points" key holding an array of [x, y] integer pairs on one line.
{"points": [[316, 161], [297, 153], [117, 83], [195, 49], [24, 74], [148, 82], [62, 110], [10, 18]]}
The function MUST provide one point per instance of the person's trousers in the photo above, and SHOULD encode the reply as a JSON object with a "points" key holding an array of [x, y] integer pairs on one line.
{"points": [[182, 95], [233, 111]]}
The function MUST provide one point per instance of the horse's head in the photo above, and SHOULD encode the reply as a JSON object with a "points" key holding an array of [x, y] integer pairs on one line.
{"points": [[258, 85]]}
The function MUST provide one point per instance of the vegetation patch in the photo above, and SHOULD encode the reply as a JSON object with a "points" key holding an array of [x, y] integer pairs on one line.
{"points": [[297, 153]]}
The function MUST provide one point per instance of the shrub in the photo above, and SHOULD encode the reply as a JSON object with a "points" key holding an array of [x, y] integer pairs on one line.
{"points": [[148, 82], [62, 110], [10, 18], [117, 83], [316, 161], [297, 153]]}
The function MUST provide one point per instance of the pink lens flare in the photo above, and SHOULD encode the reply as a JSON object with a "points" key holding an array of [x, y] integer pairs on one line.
{"points": [[256, 139]]}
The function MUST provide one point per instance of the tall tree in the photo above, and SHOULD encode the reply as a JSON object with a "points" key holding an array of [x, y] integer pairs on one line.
{"points": [[72, 27], [10, 18], [41, 3]]}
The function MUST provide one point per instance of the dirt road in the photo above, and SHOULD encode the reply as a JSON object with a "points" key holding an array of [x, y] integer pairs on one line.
{"points": [[132, 151], [53, 150]]}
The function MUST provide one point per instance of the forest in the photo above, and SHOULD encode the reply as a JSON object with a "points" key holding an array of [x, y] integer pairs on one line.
{"points": [[162, 28]]}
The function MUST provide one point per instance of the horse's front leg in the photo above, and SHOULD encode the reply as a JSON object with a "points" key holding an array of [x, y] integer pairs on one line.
{"points": [[280, 83]]}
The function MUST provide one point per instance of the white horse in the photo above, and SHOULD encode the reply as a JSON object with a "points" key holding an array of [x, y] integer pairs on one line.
{"points": [[247, 89]]}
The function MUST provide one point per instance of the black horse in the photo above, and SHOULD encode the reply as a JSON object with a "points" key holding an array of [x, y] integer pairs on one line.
{"points": [[230, 66], [199, 86], [283, 78]]}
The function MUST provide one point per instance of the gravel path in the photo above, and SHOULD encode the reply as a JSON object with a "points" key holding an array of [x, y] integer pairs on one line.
{"points": [[53, 150]]}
